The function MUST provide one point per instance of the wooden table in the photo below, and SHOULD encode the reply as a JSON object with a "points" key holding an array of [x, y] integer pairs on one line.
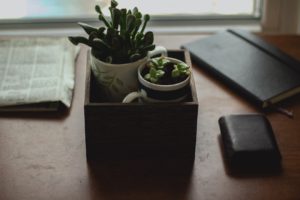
{"points": [[43, 156]]}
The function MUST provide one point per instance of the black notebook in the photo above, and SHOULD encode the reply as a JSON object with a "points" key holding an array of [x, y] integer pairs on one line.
{"points": [[248, 64]]}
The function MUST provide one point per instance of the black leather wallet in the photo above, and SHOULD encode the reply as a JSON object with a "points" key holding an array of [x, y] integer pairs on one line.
{"points": [[249, 141]]}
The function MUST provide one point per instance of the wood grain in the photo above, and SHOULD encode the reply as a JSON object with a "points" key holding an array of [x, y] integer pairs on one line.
{"points": [[43, 157]]}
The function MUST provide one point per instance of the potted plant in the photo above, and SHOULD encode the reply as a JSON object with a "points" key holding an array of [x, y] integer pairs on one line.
{"points": [[162, 79], [118, 48], [165, 71]]}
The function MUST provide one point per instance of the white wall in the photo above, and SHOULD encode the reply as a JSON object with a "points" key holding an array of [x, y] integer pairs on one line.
{"points": [[281, 16]]}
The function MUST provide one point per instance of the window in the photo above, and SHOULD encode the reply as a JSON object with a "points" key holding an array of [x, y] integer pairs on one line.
{"points": [[74, 10], [197, 9]]}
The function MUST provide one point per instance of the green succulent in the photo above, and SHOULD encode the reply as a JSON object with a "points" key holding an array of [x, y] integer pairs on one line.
{"points": [[160, 69], [154, 75], [122, 39], [180, 69]]}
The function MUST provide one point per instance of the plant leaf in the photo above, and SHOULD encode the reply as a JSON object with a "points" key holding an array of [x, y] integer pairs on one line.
{"points": [[182, 66], [113, 3], [152, 72], [159, 73], [148, 38], [175, 73], [87, 28], [147, 76], [153, 80]]}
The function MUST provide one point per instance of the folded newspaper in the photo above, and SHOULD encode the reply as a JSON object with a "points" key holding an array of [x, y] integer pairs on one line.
{"points": [[36, 71]]}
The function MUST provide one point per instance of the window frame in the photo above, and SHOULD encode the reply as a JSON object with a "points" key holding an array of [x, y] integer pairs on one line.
{"points": [[160, 24]]}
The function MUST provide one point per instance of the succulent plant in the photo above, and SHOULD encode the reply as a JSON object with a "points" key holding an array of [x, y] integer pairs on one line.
{"points": [[163, 71], [122, 39]]}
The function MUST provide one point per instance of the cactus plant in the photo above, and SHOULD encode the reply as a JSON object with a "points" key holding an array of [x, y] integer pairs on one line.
{"points": [[122, 39], [163, 71]]}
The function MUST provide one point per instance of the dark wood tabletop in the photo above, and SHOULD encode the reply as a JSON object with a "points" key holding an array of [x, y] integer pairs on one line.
{"points": [[42, 156]]}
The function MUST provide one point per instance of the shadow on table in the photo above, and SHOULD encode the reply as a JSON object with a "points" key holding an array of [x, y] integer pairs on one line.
{"points": [[59, 112], [141, 179], [248, 171]]}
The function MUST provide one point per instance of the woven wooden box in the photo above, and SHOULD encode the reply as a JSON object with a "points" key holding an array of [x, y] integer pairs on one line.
{"points": [[117, 130]]}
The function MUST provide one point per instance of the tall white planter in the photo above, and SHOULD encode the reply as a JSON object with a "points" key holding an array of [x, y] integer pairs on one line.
{"points": [[117, 80]]}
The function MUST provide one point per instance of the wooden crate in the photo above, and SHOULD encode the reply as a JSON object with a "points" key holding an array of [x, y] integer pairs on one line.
{"points": [[117, 130]]}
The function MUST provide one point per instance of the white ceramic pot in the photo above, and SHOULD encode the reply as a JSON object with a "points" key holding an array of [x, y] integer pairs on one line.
{"points": [[117, 80], [155, 93]]}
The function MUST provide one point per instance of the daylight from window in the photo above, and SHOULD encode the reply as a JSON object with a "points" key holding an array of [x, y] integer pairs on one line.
{"points": [[193, 7], [67, 9]]}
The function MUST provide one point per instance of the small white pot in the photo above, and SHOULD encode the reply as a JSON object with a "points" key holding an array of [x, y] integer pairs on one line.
{"points": [[117, 80], [155, 93]]}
